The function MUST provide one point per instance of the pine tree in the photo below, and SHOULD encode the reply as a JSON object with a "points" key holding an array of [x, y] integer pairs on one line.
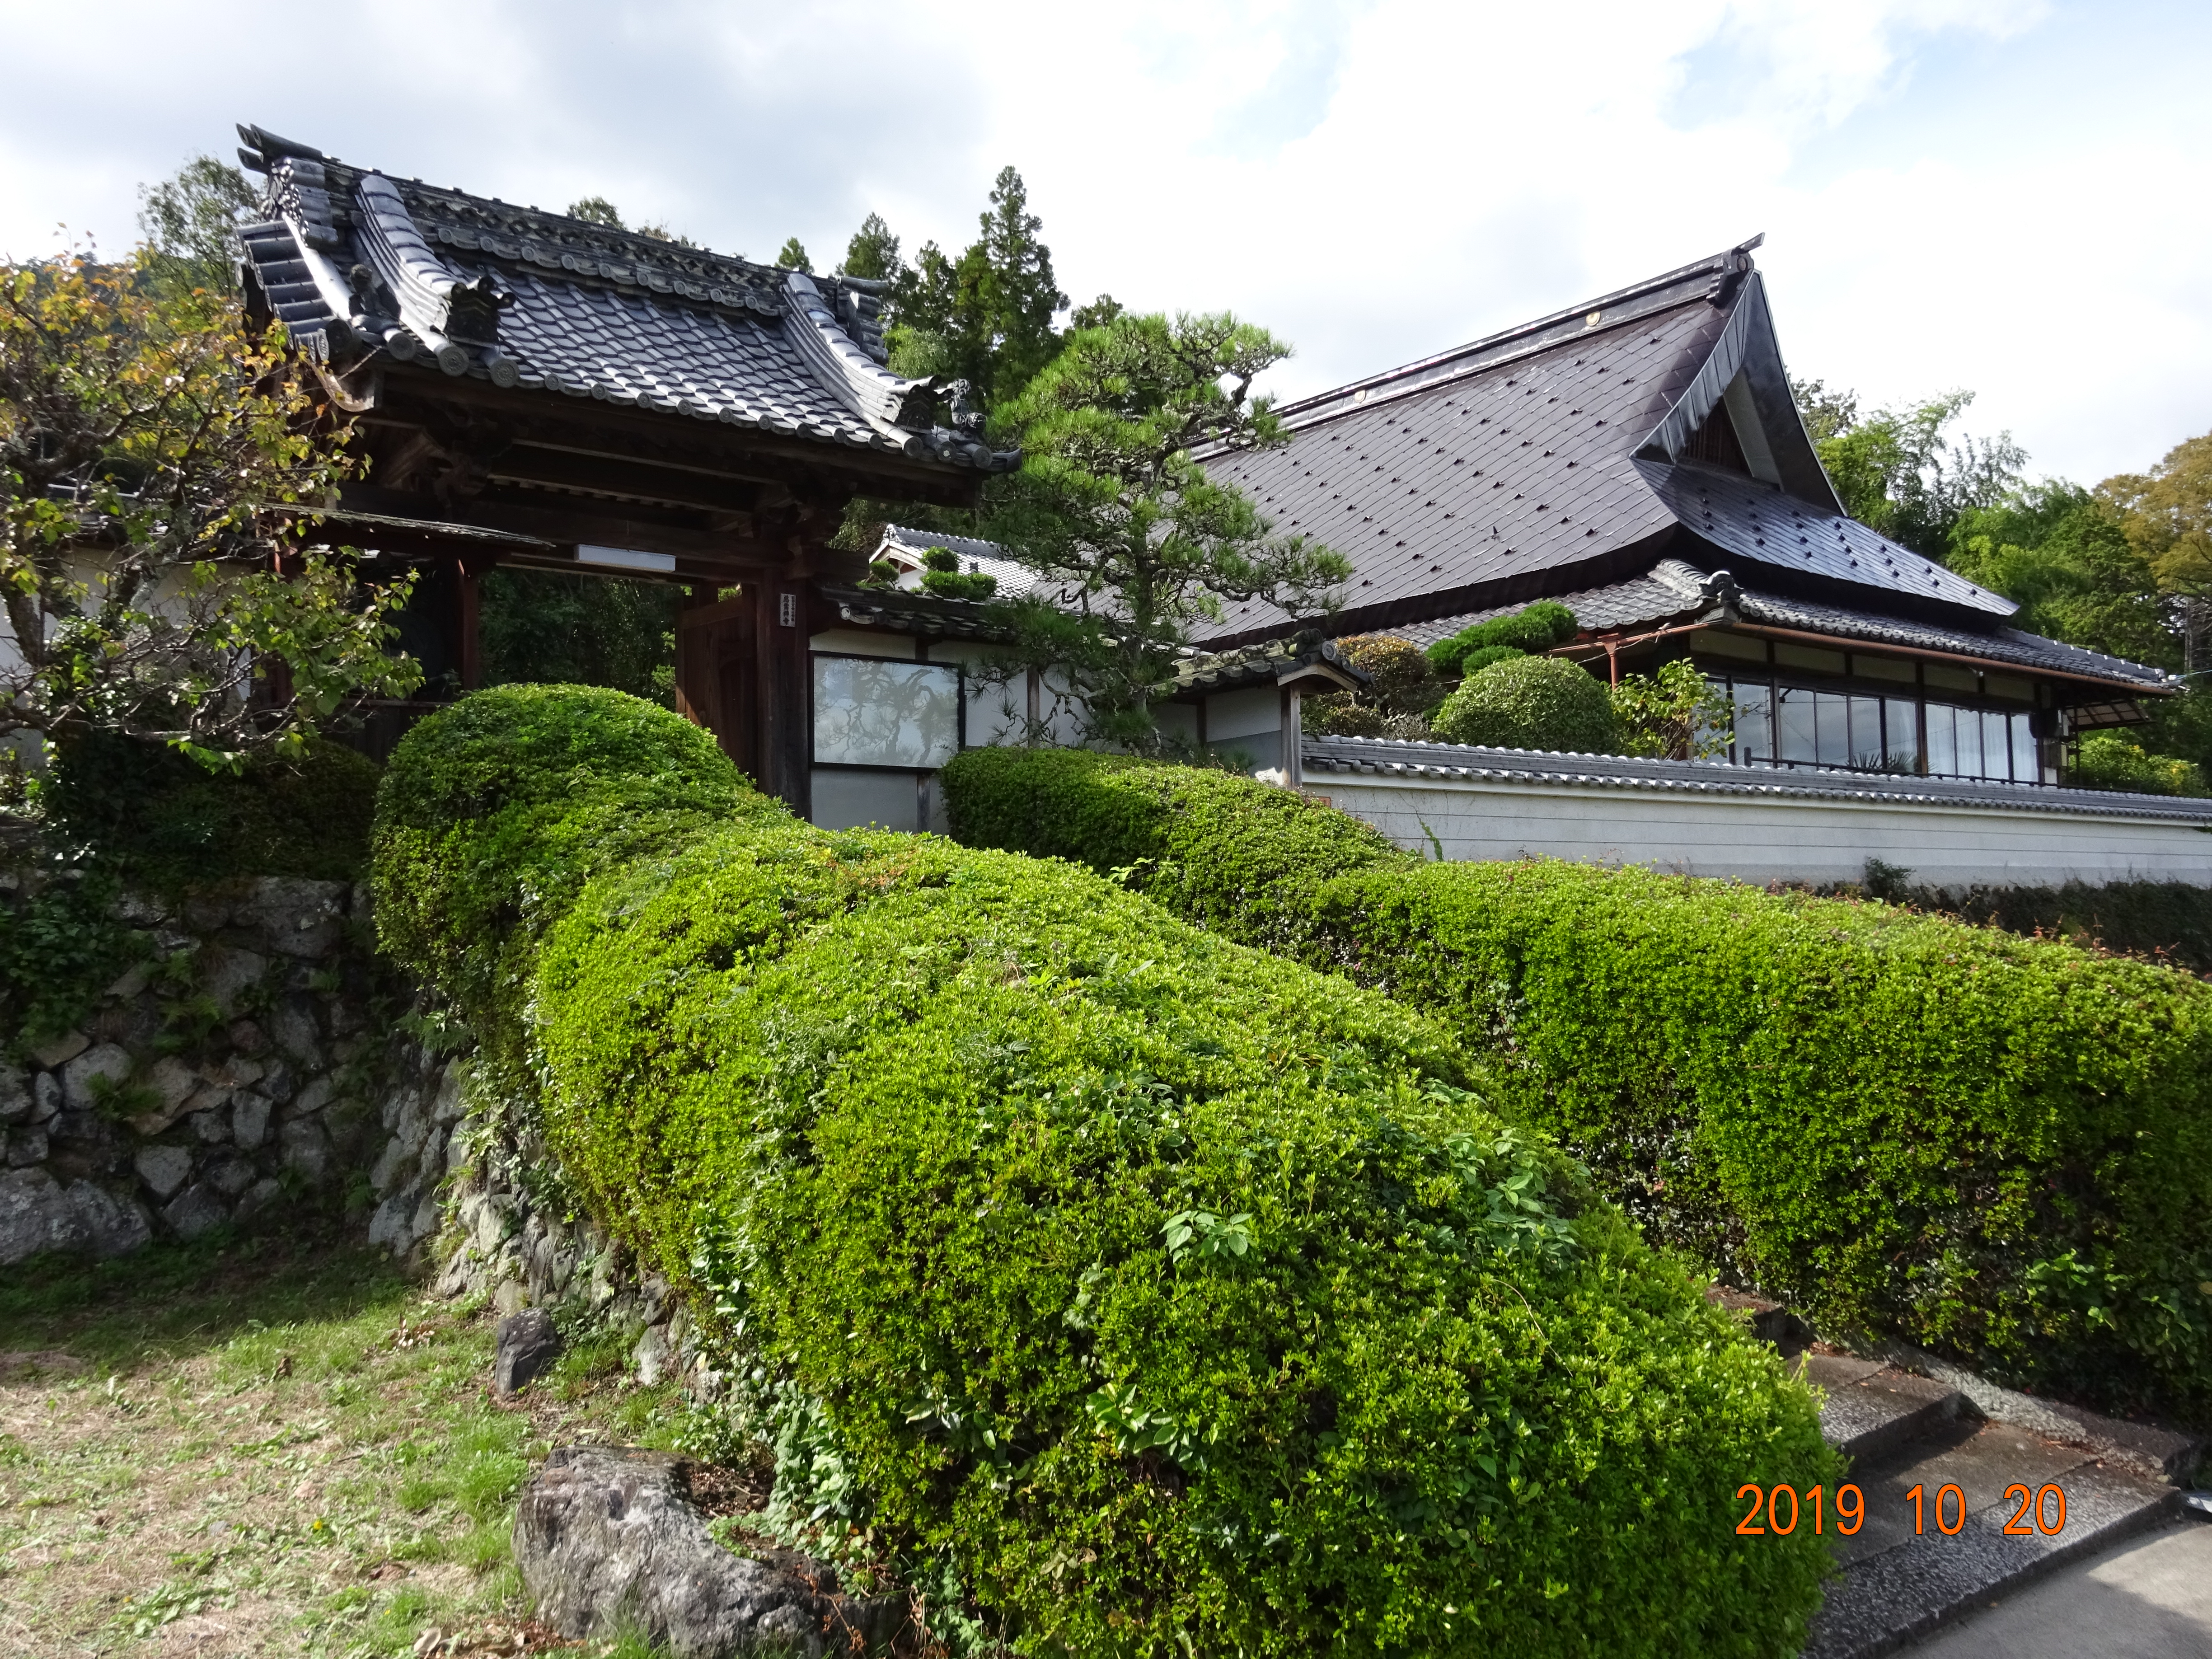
{"points": [[873, 252], [986, 317], [793, 257], [597, 210]]}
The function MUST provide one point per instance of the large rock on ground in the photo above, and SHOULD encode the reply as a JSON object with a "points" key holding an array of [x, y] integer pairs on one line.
{"points": [[608, 1541], [38, 1214], [528, 1345]]}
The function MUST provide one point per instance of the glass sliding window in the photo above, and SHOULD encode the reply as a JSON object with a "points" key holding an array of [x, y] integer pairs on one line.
{"points": [[1996, 746], [1968, 727], [1754, 722], [2026, 764], [1866, 733], [1900, 721], [1797, 737], [1832, 717], [869, 712], [1942, 741]]}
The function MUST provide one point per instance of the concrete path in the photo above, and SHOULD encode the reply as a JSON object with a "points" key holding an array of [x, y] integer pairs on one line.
{"points": [[2148, 1598]]}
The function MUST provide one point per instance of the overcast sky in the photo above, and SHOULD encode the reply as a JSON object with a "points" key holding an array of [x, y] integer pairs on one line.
{"points": [[2001, 195]]}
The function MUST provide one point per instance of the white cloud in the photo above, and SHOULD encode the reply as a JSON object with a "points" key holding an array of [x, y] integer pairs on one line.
{"points": [[1375, 181]]}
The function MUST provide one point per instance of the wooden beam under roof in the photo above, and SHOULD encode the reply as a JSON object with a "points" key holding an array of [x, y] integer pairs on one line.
{"points": [[616, 432]]}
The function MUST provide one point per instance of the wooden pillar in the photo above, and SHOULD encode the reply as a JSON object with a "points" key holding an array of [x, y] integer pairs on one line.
{"points": [[1293, 733], [468, 632], [787, 683], [695, 686]]}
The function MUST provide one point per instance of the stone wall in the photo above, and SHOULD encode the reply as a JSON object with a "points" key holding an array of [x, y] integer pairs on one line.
{"points": [[258, 1058], [235, 1069], [510, 1235]]}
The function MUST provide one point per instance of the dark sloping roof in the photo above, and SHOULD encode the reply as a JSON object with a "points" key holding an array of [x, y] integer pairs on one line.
{"points": [[1559, 455], [1676, 592], [1385, 757], [355, 264], [1752, 524], [1304, 659]]}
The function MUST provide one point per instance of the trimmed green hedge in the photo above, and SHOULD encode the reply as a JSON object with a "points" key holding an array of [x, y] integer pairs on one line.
{"points": [[1531, 702], [158, 819], [1997, 1147], [1178, 1295]]}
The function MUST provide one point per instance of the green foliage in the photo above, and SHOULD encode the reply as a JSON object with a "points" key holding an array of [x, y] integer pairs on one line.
{"points": [[189, 223], [151, 425], [60, 947], [1902, 471], [1531, 702], [596, 210], [1990, 1145], [974, 585], [1139, 541], [985, 317], [2111, 760], [943, 577], [546, 625], [873, 252], [493, 814], [161, 822], [1530, 631], [2065, 557], [792, 256], [1178, 1298], [1402, 688], [1676, 714], [2169, 921]]}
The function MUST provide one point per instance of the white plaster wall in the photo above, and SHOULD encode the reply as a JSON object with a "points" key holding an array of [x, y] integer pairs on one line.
{"points": [[1246, 714], [1766, 840]]}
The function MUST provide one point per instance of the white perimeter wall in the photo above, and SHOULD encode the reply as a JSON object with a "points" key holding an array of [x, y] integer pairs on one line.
{"points": [[1767, 840]]}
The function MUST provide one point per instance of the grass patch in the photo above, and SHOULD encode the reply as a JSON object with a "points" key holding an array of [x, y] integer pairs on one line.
{"points": [[270, 1446]]}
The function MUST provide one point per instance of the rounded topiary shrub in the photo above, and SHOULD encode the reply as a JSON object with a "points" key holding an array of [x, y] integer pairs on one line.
{"points": [[1182, 1299], [492, 812], [1530, 702]]}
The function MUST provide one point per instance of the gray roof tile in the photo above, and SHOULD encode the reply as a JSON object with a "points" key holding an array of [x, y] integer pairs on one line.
{"points": [[1526, 463], [581, 309], [1391, 759]]}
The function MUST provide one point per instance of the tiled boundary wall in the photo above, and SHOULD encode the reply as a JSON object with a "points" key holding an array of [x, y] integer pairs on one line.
{"points": [[1701, 818]]}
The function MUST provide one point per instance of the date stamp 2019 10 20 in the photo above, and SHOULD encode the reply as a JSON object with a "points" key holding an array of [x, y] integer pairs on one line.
{"points": [[2038, 1510]]}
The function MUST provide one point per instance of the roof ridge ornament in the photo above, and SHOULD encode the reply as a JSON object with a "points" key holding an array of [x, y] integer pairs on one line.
{"points": [[449, 313], [904, 411]]}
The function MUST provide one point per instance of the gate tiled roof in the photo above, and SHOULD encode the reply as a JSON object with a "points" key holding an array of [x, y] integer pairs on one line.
{"points": [[357, 264]]}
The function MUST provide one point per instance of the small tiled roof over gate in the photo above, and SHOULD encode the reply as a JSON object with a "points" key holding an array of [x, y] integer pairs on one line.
{"points": [[354, 262]]}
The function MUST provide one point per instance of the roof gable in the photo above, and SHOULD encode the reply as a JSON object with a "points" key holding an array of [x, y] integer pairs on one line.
{"points": [[361, 267], [1563, 454]]}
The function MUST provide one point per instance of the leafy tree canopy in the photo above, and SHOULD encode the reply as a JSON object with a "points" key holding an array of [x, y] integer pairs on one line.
{"points": [[1112, 509], [986, 316], [2063, 556], [2167, 516], [792, 256], [189, 223], [597, 210], [1904, 472], [159, 469], [873, 252]]}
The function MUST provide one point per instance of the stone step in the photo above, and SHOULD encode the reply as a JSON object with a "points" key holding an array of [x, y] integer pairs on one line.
{"points": [[1872, 1410], [1894, 1584]]}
